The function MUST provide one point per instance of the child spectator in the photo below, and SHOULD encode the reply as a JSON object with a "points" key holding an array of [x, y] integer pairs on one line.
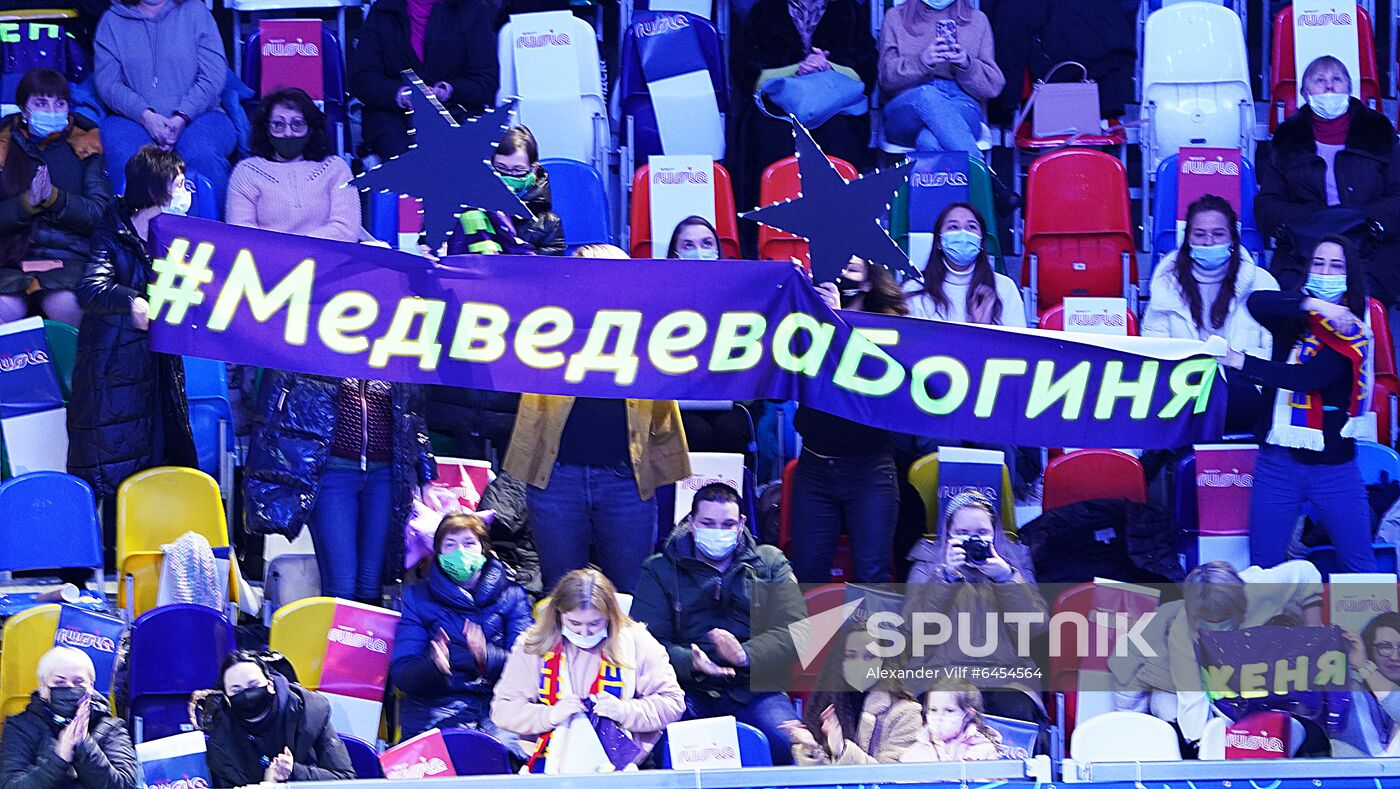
{"points": [[457, 628], [159, 66], [954, 730], [517, 162], [53, 192], [937, 68], [584, 655], [294, 182]]}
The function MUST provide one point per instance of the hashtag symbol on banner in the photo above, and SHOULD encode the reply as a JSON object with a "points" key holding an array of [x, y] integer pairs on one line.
{"points": [[178, 284]]}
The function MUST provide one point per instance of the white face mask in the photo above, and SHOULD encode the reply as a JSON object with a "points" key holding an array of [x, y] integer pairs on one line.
{"points": [[946, 728], [698, 253], [582, 641], [179, 203], [861, 674], [1329, 105]]}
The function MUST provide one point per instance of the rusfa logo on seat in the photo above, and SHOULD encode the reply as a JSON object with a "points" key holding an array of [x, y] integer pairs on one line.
{"points": [[1224, 479], [933, 180], [282, 48], [1325, 19], [540, 40], [350, 638], [661, 24], [21, 360], [669, 176], [197, 782], [69, 637], [1196, 165]]}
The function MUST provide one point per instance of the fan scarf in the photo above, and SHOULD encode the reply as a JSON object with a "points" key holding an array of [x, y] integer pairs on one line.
{"points": [[609, 680], [1297, 420]]}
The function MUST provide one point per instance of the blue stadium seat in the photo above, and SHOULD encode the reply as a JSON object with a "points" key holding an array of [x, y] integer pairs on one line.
{"points": [[363, 757], [635, 97], [59, 507], [476, 753], [161, 678], [1164, 212], [753, 748], [205, 204], [211, 417], [580, 201], [1375, 460]]}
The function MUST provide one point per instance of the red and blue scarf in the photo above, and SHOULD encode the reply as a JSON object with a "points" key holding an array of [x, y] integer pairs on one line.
{"points": [[1297, 418], [609, 680]]}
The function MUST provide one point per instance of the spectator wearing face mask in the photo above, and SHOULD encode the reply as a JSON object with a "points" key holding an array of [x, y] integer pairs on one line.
{"points": [[1200, 290], [457, 628], [694, 239], [1335, 152], [583, 654], [960, 284], [66, 738], [517, 162], [695, 598], [264, 729], [1316, 395], [954, 730], [294, 182]]}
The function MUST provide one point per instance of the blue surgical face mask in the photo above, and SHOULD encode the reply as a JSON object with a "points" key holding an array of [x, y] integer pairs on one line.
{"points": [[42, 124], [716, 543], [584, 642], [1211, 257], [938, 5], [961, 246], [1328, 287], [698, 253], [1227, 626]]}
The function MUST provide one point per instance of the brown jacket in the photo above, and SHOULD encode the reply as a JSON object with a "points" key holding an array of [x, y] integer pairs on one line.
{"points": [[655, 441], [908, 30], [899, 722]]}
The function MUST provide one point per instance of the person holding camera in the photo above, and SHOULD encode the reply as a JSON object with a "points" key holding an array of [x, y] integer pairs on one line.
{"points": [[971, 573]]}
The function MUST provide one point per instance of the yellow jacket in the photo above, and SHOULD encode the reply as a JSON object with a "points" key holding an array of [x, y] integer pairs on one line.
{"points": [[655, 441]]}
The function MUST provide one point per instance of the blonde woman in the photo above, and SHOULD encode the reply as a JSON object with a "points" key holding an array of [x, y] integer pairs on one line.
{"points": [[584, 652]]}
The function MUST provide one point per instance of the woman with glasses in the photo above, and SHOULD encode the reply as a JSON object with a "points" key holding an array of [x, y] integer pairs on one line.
{"points": [[293, 183], [517, 162]]}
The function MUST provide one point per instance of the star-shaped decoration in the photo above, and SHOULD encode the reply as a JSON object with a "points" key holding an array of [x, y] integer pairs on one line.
{"points": [[839, 218], [448, 166]]}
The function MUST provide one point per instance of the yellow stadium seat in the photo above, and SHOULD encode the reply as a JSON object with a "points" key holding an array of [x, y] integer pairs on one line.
{"points": [[299, 633], [155, 507], [923, 475], [28, 635]]}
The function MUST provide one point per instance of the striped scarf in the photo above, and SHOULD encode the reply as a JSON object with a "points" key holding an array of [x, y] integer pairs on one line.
{"points": [[609, 680], [1297, 420]]}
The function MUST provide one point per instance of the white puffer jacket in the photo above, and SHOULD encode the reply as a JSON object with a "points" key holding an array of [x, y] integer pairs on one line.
{"points": [[1168, 316]]}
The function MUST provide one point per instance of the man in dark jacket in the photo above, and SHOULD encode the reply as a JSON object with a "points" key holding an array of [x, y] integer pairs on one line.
{"points": [[454, 53], [66, 738], [695, 598]]}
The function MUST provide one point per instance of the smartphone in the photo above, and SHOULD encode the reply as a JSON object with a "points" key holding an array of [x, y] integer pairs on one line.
{"points": [[946, 29]]}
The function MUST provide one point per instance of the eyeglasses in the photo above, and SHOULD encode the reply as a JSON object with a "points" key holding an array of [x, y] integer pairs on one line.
{"points": [[280, 127], [512, 172], [1386, 648]]}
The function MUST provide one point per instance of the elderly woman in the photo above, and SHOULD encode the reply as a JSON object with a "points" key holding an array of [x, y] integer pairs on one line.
{"points": [[67, 737], [1336, 153]]}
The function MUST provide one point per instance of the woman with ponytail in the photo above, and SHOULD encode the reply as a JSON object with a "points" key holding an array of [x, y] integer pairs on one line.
{"points": [[960, 284]]}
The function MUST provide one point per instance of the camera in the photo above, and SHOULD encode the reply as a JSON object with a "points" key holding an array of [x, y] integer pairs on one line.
{"points": [[977, 549]]}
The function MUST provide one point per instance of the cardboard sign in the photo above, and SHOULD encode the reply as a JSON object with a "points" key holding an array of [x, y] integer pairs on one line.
{"points": [[465, 479], [175, 762], [424, 756], [707, 468], [962, 470], [1326, 27], [681, 186], [1259, 735], [1354, 599], [1206, 171], [95, 634], [1224, 482], [359, 644], [1096, 315], [32, 416], [704, 744], [292, 56]]}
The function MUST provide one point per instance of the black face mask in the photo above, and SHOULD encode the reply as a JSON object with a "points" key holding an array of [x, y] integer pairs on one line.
{"points": [[289, 147], [849, 288], [251, 703], [64, 701]]}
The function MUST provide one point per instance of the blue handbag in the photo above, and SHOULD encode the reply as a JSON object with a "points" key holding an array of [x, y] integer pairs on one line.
{"points": [[813, 98]]}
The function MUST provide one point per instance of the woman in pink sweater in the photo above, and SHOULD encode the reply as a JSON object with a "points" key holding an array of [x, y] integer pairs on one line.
{"points": [[937, 68], [584, 655], [294, 182]]}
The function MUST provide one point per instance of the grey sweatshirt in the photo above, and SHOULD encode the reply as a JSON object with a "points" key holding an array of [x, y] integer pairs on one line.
{"points": [[171, 62]]}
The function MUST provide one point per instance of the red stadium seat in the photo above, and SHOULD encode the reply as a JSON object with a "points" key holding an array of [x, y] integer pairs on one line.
{"points": [[1087, 474], [842, 565], [726, 218], [1284, 85], [1079, 235], [781, 182], [1064, 668], [1053, 319], [1385, 346]]}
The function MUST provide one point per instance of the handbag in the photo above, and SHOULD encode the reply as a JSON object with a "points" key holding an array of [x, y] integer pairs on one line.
{"points": [[1063, 107], [813, 98]]}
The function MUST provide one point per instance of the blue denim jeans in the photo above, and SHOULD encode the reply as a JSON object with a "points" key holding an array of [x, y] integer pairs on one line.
{"points": [[205, 146], [597, 510], [350, 525], [416, 718], [935, 116], [859, 496], [765, 712], [1337, 498]]}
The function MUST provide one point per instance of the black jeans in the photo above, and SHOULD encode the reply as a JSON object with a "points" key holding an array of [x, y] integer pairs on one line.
{"points": [[857, 495]]}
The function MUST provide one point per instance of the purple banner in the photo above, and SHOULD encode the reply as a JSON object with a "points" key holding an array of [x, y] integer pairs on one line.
{"points": [[662, 329]]}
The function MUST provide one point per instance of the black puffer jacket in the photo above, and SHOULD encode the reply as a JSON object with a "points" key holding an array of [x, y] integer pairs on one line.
{"points": [[63, 229], [105, 760], [290, 449], [546, 232], [317, 752], [128, 410], [1104, 538]]}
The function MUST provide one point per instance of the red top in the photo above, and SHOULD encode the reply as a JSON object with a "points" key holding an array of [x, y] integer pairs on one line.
{"points": [[1333, 132], [418, 11]]}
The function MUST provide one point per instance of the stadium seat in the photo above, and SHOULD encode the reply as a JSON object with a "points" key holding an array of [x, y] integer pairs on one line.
{"points": [[332, 81], [1324, 557], [476, 753], [588, 142], [1078, 232], [580, 200], [59, 507], [363, 757], [162, 677], [842, 565], [753, 748], [1124, 737], [203, 201], [726, 219], [923, 476], [1284, 73], [288, 578], [1195, 79], [1376, 462], [1087, 474], [43, 39], [1164, 211], [155, 507], [1053, 319], [1385, 402], [780, 181], [1380, 330], [299, 632], [27, 636], [211, 419], [62, 340], [641, 136], [918, 244]]}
